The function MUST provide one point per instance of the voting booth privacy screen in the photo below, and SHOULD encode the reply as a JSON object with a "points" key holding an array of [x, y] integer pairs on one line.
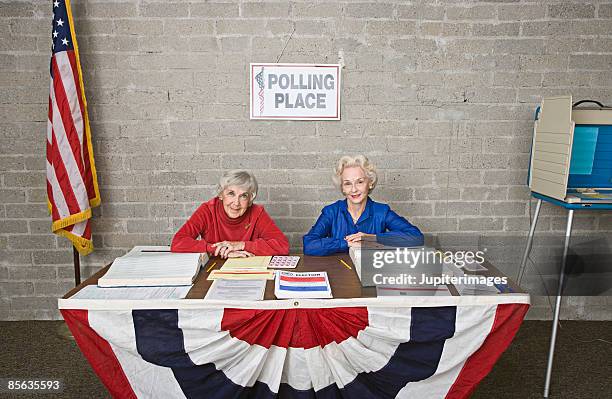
{"points": [[572, 151], [591, 165]]}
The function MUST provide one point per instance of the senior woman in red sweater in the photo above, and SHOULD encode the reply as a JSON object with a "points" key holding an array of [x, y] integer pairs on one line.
{"points": [[230, 225]]}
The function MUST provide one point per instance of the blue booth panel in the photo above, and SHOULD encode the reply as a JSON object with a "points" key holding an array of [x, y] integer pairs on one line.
{"points": [[591, 162]]}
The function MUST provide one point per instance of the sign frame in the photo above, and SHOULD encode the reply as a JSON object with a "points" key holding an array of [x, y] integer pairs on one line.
{"points": [[256, 92]]}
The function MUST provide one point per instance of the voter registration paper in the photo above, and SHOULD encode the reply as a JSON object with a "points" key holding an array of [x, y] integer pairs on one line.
{"points": [[237, 290]]}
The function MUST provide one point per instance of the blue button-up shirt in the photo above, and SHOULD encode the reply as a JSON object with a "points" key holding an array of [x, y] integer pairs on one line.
{"points": [[326, 237]]}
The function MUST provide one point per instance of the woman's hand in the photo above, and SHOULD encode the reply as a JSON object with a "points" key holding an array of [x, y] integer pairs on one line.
{"points": [[354, 244], [356, 238], [239, 254], [223, 248]]}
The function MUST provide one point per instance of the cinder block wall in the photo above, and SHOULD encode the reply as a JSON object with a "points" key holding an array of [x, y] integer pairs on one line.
{"points": [[440, 94]]}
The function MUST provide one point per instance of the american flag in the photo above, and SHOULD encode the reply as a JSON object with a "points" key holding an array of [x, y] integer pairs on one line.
{"points": [[72, 187]]}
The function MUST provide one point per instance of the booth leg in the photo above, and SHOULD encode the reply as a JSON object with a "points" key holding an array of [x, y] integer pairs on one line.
{"points": [[529, 242], [553, 336]]}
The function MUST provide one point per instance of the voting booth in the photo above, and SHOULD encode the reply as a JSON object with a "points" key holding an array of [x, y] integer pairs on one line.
{"points": [[570, 167], [571, 154]]}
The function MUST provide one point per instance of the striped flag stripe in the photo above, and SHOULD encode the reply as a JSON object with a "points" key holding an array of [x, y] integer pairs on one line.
{"points": [[79, 228], [64, 158], [62, 65], [77, 83], [63, 98], [61, 174], [303, 279], [52, 184], [88, 176], [61, 207]]}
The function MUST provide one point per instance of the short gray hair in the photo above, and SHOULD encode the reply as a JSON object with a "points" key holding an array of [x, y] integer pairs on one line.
{"points": [[358, 160], [241, 178]]}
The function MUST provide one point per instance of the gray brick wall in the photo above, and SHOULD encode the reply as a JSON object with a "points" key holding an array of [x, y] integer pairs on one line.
{"points": [[439, 94]]}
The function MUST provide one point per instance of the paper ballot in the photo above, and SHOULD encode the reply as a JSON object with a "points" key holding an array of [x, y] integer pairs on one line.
{"points": [[301, 285], [474, 267], [153, 269], [252, 268], [237, 290], [95, 292], [241, 275], [253, 262]]}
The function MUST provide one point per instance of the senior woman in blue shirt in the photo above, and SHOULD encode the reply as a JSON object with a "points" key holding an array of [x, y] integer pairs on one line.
{"points": [[356, 218]]}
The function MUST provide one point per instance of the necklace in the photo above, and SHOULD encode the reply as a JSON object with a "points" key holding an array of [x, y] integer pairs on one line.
{"points": [[359, 211]]}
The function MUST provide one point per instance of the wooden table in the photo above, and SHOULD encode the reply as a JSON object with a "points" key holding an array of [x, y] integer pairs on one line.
{"points": [[385, 346], [344, 282]]}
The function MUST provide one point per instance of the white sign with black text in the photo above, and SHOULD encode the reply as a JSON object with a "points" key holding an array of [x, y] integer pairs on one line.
{"points": [[295, 91]]}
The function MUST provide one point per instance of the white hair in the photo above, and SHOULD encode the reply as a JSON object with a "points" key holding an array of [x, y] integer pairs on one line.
{"points": [[240, 178], [358, 160]]}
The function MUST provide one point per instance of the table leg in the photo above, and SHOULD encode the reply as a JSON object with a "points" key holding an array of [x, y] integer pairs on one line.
{"points": [[553, 336], [529, 242]]}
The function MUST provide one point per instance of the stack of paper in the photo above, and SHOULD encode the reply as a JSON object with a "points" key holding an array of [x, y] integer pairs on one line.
{"points": [[302, 285], [474, 267], [251, 263], [355, 254], [237, 290], [131, 293], [153, 269], [241, 275], [253, 268], [476, 289]]}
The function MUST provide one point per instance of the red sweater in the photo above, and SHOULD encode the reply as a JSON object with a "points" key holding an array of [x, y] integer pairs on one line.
{"points": [[210, 222]]}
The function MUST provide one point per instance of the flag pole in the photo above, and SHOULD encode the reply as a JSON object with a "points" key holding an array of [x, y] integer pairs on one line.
{"points": [[77, 266]]}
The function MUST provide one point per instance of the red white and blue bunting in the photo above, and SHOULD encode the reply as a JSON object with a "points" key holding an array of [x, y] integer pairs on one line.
{"points": [[373, 351]]}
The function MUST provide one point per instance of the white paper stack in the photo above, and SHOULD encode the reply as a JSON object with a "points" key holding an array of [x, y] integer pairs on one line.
{"points": [[301, 285], [132, 293], [355, 254], [476, 289], [153, 269], [237, 290], [251, 268]]}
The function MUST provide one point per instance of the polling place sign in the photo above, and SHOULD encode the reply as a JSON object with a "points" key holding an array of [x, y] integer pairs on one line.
{"points": [[295, 91]]}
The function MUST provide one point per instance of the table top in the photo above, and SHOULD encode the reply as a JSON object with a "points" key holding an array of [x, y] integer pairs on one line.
{"points": [[344, 282], [577, 206]]}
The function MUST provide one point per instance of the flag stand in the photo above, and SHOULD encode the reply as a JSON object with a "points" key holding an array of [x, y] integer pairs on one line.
{"points": [[62, 330], [77, 266]]}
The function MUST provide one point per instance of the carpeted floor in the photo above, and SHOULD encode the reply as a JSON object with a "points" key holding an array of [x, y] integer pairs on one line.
{"points": [[39, 349]]}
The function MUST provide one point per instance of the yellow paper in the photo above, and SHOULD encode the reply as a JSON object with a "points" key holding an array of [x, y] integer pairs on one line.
{"points": [[594, 195], [241, 275], [251, 263]]}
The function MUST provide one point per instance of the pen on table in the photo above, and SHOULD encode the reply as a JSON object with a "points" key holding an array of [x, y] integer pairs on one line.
{"points": [[210, 267], [345, 264]]}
